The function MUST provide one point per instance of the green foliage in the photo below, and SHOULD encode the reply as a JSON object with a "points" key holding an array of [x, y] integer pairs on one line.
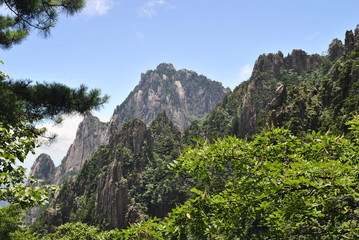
{"points": [[11, 224], [16, 142], [34, 102], [320, 96], [22, 105], [36, 14], [10, 221], [80, 231], [277, 186], [151, 229]]}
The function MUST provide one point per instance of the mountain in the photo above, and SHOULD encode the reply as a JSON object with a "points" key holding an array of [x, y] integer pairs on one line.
{"points": [[247, 109], [127, 179], [90, 134], [43, 168], [184, 96], [124, 181], [299, 91]]}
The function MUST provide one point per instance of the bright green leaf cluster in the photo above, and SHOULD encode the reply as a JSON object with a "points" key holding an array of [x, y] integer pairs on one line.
{"points": [[15, 143], [277, 186]]}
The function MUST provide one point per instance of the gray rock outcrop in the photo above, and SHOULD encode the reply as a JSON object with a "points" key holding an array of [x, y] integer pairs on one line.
{"points": [[90, 134], [43, 168], [183, 95]]}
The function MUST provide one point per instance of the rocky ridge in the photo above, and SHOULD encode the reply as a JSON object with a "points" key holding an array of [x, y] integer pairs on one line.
{"points": [[299, 91], [245, 111], [109, 188], [43, 168], [184, 96], [91, 133], [128, 179]]}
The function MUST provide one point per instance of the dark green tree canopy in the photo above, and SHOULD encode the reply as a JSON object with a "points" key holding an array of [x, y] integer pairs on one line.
{"points": [[34, 102], [32, 14], [22, 105]]}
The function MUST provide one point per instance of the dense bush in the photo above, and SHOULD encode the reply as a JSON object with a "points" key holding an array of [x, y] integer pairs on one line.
{"points": [[277, 186]]}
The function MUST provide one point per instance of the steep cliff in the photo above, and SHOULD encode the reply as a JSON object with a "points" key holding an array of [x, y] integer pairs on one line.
{"points": [[126, 180], [184, 96], [301, 92], [91, 133], [43, 168]]}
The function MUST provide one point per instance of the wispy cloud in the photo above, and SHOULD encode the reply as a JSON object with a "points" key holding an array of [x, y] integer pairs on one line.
{"points": [[149, 8], [139, 34], [66, 133], [245, 72], [98, 7]]}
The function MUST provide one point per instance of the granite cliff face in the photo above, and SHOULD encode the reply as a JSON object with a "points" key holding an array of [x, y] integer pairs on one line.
{"points": [[91, 133], [299, 91], [246, 110], [125, 180], [43, 168], [183, 95]]}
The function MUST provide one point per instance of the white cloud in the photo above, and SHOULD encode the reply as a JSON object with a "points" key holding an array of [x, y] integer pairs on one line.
{"points": [[66, 132], [149, 8], [98, 7], [245, 72]]}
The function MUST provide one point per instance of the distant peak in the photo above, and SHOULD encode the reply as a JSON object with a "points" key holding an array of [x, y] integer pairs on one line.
{"points": [[43, 167], [165, 66]]}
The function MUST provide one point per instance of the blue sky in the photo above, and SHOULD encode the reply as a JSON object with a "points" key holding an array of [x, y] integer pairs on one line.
{"points": [[111, 42]]}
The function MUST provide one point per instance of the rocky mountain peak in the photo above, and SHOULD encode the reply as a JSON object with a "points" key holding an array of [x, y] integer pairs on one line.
{"points": [[183, 95], [163, 67], [349, 42], [356, 32], [269, 63], [91, 133], [163, 72], [336, 49], [272, 64], [133, 135], [300, 61], [43, 168]]}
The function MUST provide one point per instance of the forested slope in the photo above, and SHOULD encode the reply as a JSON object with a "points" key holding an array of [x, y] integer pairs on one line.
{"points": [[299, 183]]}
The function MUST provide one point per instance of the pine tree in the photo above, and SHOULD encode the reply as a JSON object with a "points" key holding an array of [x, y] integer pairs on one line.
{"points": [[25, 15]]}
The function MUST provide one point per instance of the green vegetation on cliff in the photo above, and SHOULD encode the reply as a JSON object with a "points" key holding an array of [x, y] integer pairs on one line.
{"points": [[277, 186], [276, 160], [300, 92], [125, 181]]}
